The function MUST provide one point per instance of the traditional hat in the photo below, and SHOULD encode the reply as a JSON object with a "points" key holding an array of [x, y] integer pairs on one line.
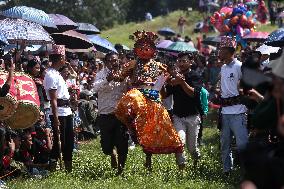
{"points": [[278, 66], [145, 37], [58, 49], [228, 42]]}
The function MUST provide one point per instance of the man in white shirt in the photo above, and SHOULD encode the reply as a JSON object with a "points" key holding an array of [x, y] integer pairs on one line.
{"points": [[110, 88], [61, 115], [234, 119]]}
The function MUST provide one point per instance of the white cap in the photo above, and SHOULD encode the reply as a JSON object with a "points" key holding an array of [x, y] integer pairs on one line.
{"points": [[265, 49]]}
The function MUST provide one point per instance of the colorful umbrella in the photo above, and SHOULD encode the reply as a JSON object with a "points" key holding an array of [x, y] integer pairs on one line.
{"points": [[18, 30], [213, 41], [180, 47], [101, 44], [3, 40], [72, 40], [166, 32], [256, 36], [29, 14], [276, 38], [62, 22], [88, 29], [164, 44]]}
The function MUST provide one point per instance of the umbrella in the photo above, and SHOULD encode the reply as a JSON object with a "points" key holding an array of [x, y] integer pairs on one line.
{"points": [[251, 3], [264, 49], [125, 48], [164, 44], [256, 36], [276, 38], [101, 44], [62, 22], [29, 14], [213, 41], [87, 29], [214, 5], [180, 47], [18, 30], [3, 40], [72, 40], [166, 32]]}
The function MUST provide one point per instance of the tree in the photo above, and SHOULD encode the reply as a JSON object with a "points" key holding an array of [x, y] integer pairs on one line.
{"points": [[103, 13]]}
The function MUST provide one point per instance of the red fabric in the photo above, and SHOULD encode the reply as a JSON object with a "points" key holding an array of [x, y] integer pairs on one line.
{"points": [[6, 160]]}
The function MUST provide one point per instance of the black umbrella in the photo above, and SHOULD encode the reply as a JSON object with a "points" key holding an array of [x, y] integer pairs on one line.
{"points": [[276, 38], [62, 22], [88, 29], [213, 41], [72, 40], [166, 32]]}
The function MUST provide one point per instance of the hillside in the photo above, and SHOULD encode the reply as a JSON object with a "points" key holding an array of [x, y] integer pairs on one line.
{"points": [[120, 33]]}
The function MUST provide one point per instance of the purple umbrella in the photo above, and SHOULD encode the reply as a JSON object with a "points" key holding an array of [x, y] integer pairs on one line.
{"points": [[164, 44], [62, 22]]}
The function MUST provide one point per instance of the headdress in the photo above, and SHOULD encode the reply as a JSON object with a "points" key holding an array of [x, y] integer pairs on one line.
{"points": [[145, 47], [145, 37], [58, 49]]}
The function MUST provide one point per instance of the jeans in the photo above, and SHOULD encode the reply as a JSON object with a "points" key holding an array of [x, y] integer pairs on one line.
{"points": [[187, 129], [232, 124]]}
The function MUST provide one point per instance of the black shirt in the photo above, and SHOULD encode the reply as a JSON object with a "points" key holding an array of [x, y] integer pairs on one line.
{"points": [[185, 105]]}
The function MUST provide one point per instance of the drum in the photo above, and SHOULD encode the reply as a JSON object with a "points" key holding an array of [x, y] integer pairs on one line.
{"points": [[8, 104], [27, 112]]}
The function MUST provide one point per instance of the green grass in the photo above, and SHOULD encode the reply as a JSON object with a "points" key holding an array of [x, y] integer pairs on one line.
{"points": [[92, 170], [120, 33]]}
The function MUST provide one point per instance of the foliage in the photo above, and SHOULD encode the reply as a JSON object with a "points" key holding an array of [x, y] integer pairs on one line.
{"points": [[104, 13]]}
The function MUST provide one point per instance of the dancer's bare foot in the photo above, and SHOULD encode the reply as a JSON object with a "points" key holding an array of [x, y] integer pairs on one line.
{"points": [[148, 163]]}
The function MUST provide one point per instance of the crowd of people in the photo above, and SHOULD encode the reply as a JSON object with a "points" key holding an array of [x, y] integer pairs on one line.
{"points": [[157, 100]]}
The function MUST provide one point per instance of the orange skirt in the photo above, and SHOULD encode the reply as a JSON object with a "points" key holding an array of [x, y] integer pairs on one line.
{"points": [[151, 123]]}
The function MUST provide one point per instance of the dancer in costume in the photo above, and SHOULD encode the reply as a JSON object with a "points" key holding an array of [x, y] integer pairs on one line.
{"points": [[141, 109]]}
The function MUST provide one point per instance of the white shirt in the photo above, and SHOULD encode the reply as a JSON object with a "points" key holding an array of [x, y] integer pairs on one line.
{"points": [[230, 77], [168, 102], [109, 93], [53, 80]]}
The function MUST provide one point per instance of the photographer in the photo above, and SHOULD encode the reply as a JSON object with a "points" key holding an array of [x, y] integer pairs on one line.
{"points": [[264, 156]]}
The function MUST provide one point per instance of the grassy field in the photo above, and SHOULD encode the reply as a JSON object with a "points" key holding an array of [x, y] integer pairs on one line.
{"points": [[120, 33], [92, 170]]}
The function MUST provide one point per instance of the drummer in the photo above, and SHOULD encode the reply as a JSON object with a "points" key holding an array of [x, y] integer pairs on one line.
{"points": [[10, 67], [61, 114]]}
